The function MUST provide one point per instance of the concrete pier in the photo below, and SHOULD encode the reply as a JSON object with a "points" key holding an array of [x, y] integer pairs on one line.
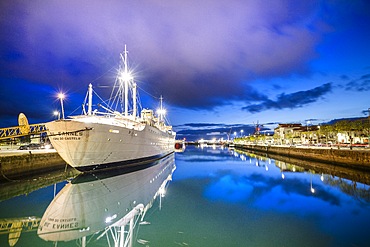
{"points": [[21, 163], [356, 159]]}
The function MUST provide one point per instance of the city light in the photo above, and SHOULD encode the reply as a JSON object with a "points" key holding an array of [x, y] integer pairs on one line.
{"points": [[61, 96], [57, 114], [126, 76], [161, 112]]}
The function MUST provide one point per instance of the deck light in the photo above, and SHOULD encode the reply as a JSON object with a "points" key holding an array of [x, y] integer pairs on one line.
{"points": [[57, 114]]}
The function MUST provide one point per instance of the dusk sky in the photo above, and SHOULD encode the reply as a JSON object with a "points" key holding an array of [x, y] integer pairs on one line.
{"points": [[218, 64]]}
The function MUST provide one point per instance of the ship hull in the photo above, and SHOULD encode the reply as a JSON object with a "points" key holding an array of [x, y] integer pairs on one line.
{"points": [[90, 146]]}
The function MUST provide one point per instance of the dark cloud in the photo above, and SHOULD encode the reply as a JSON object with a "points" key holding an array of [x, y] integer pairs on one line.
{"points": [[366, 112], [291, 101], [361, 84], [203, 50]]}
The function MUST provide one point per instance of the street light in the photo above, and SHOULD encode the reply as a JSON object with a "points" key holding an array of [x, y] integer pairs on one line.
{"points": [[241, 133], [61, 96]]}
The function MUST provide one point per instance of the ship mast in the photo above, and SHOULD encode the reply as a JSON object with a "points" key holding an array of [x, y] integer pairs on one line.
{"points": [[126, 83], [127, 78], [134, 100], [89, 106], [161, 111]]}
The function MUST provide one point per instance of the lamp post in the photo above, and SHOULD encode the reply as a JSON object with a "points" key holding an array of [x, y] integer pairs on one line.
{"points": [[241, 133], [61, 96]]}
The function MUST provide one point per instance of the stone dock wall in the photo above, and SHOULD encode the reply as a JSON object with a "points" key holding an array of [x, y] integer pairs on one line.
{"points": [[28, 164], [358, 159]]}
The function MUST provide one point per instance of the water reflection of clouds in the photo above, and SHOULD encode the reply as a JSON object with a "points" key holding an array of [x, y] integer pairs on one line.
{"points": [[229, 189], [268, 193], [232, 179]]}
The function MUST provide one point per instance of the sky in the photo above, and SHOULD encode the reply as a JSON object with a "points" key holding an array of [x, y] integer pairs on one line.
{"points": [[221, 66]]}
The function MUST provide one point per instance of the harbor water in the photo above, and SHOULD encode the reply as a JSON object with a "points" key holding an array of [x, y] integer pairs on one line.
{"points": [[204, 196]]}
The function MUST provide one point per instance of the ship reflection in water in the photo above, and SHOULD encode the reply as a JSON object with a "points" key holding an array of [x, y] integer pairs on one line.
{"points": [[106, 203]]}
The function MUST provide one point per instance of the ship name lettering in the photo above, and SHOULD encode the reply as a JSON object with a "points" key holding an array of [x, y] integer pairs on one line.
{"points": [[71, 138], [72, 133], [65, 226]]}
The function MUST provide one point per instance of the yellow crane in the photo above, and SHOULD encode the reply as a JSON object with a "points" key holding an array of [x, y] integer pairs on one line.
{"points": [[23, 129]]}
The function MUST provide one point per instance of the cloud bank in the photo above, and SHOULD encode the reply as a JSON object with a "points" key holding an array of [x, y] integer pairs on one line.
{"points": [[200, 55], [208, 51], [293, 100], [360, 84]]}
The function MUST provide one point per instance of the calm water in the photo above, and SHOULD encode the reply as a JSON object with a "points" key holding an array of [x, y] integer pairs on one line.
{"points": [[202, 197]]}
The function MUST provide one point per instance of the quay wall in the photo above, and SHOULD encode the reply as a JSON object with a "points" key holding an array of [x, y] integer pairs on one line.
{"points": [[358, 159], [27, 164]]}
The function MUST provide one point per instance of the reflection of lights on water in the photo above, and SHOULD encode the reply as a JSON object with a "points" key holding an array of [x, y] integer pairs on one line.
{"points": [[322, 177], [250, 161], [282, 176], [312, 189], [267, 168], [269, 161], [257, 163], [110, 218], [162, 191]]}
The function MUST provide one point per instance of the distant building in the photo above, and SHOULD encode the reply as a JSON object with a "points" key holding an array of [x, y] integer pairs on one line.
{"points": [[285, 133], [344, 132], [296, 133]]}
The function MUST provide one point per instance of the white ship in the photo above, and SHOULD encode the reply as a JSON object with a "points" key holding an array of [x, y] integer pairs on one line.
{"points": [[98, 140]]}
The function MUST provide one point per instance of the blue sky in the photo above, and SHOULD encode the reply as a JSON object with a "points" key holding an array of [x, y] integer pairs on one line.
{"points": [[225, 63]]}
